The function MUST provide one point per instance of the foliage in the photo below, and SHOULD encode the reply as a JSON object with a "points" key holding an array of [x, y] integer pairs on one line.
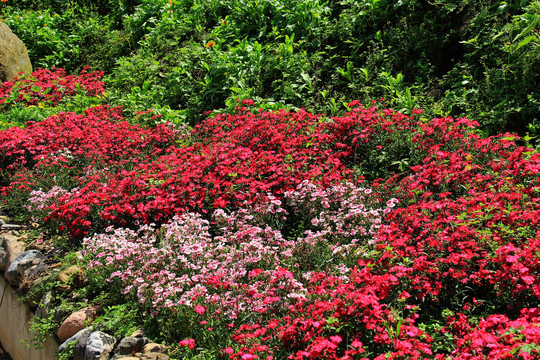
{"points": [[184, 57]]}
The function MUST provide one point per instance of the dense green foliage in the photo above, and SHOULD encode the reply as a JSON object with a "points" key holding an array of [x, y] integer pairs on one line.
{"points": [[462, 58]]}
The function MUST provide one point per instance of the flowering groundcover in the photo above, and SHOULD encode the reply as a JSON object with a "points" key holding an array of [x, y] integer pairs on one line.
{"points": [[272, 235]]}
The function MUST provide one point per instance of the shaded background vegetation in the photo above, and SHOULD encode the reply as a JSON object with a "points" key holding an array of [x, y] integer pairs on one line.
{"points": [[478, 59]]}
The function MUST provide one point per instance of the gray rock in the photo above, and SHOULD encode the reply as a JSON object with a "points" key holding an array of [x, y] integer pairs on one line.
{"points": [[32, 269], [130, 345], [3, 253], [79, 351], [13, 55], [74, 338], [12, 227], [45, 305], [31, 260], [99, 346], [61, 313]]}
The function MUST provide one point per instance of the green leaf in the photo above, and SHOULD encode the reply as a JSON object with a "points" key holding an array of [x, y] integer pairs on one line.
{"points": [[527, 29], [525, 41]]}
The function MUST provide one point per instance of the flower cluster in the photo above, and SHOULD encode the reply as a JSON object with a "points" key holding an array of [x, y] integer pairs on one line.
{"points": [[50, 86], [258, 238], [230, 160]]}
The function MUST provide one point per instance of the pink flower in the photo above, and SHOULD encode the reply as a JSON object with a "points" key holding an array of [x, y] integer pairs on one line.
{"points": [[190, 343], [199, 309]]}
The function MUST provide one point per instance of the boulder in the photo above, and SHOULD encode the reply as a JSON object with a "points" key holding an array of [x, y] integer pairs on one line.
{"points": [[75, 338], [45, 305], [155, 348], [3, 254], [79, 351], [13, 55], [10, 248], [75, 323], [130, 345], [72, 276], [13, 227], [14, 249], [28, 265], [138, 333], [154, 356], [99, 346]]}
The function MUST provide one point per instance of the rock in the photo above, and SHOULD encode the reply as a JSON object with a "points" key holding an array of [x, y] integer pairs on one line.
{"points": [[37, 290], [29, 264], [12, 227], [14, 249], [31, 269], [3, 254], [79, 351], [125, 358], [75, 323], [154, 356], [66, 274], [130, 345], [10, 248], [45, 305], [61, 313], [99, 346], [73, 275], [75, 338], [155, 348], [13, 55], [138, 333]]}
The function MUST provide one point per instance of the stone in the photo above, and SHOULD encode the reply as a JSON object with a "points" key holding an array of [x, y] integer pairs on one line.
{"points": [[155, 348], [61, 313], [99, 346], [27, 265], [13, 227], [31, 269], [73, 275], [45, 305], [10, 248], [75, 323], [66, 274], [130, 345], [14, 249], [138, 333], [125, 358], [79, 350], [74, 338], [154, 356], [3, 254], [13, 55], [37, 290]]}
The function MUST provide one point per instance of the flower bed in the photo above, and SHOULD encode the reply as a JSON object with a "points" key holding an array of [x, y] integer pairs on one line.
{"points": [[273, 235]]}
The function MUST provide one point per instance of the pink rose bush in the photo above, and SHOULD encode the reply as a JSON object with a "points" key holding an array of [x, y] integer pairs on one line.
{"points": [[289, 235]]}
